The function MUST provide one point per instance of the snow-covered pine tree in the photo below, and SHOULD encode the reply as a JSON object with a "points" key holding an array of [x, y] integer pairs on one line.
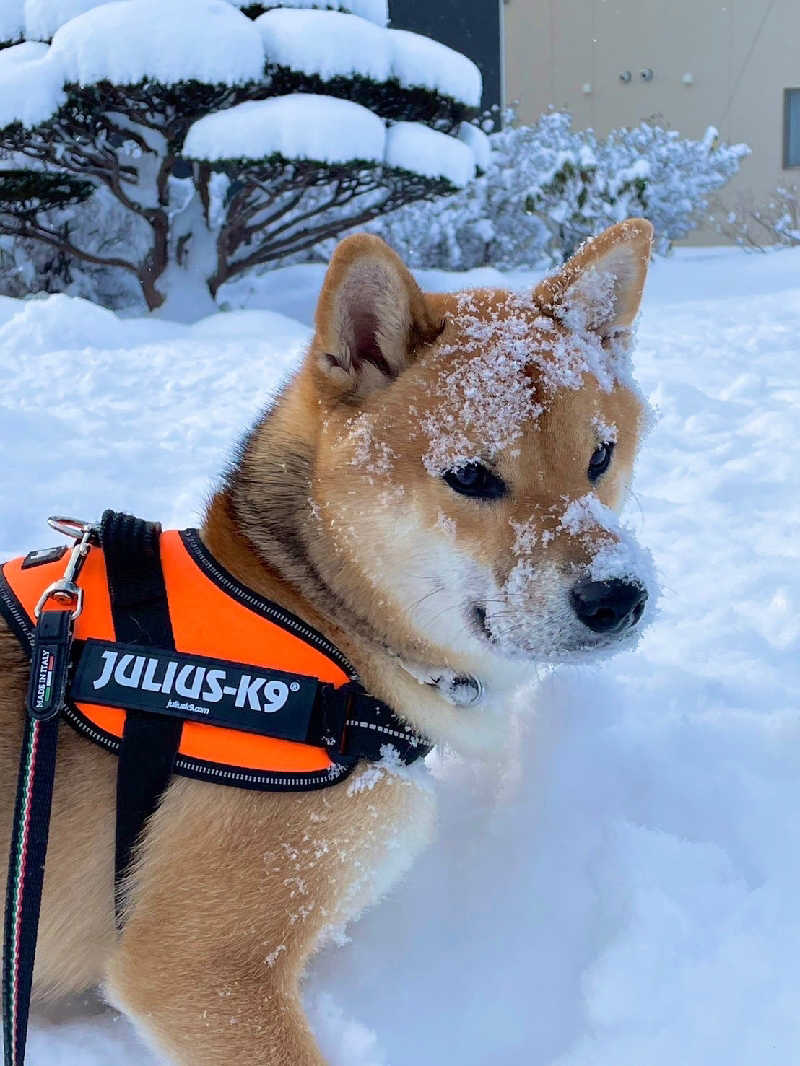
{"points": [[218, 135]]}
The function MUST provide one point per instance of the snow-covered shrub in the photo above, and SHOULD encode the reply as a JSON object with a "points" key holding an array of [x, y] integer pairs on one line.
{"points": [[547, 187], [760, 227], [191, 140]]}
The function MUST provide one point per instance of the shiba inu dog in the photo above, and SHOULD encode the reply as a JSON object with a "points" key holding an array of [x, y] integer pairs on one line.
{"points": [[436, 491]]}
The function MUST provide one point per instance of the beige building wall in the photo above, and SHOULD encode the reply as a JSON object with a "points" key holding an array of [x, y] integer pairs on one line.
{"points": [[724, 63]]}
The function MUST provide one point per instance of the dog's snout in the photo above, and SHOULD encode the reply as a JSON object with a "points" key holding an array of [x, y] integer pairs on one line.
{"points": [[608, 606]]}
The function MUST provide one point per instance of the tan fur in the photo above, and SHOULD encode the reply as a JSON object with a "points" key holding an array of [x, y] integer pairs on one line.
{"points": [[332, 512]]}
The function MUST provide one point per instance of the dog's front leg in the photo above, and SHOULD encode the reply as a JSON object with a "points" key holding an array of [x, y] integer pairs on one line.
{"points": [[233, 892], [219, 1012]]}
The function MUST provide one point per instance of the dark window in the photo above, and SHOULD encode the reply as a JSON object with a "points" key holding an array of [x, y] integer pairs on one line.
{"points": [[791, 128], [473, 27]]}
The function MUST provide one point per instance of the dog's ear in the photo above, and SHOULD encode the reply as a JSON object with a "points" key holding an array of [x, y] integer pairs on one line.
{"points": [[600, 287], [371, 318]]}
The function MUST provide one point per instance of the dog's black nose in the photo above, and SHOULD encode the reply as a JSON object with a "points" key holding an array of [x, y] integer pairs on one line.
{"points": [[608, 606]]}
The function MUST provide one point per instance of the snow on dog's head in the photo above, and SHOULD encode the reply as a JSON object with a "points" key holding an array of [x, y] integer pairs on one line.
{"points": [[472, 454]]}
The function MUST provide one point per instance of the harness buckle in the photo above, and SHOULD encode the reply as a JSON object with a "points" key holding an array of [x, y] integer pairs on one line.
{"points": [[336, 707], [65, 590]]}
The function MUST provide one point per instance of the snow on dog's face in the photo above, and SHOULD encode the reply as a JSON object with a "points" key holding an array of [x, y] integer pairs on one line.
{"points": [[475, 451]]}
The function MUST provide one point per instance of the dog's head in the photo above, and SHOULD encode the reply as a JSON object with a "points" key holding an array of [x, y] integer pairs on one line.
{"points": [[470, 454]]}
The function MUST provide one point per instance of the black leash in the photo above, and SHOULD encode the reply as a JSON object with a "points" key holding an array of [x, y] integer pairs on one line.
{"points": [[46, 699]]}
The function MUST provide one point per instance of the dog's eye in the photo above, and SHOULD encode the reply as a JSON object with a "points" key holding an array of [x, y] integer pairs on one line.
{"points": [[600, 461], [476, 480]]}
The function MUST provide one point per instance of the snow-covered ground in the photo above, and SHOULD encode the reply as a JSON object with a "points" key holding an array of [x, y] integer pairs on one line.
{"points": [[623, 890]]}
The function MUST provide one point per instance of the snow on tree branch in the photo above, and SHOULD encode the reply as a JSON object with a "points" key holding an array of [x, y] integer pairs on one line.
{"points": [[38, 20], [228, 135], [333, 45], [31, 84], [298, 126], [414, 147], [12, 22], [132, 41], [326, 130]]}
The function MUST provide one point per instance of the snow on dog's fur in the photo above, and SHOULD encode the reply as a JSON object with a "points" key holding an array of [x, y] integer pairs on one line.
{"points": [[436, 491]]}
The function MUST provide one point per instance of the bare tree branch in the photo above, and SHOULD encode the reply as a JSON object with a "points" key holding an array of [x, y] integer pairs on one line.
{"points": [[36, 233]]}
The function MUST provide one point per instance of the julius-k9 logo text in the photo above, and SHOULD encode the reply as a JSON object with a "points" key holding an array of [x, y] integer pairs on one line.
{"points": [[192, 681]]}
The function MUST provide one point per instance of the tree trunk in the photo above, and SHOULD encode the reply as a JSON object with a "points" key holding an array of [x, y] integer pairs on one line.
{"points": [[153, 297]]}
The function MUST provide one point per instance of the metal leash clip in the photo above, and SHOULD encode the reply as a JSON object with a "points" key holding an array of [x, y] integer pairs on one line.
{"points": [[65, 590]]}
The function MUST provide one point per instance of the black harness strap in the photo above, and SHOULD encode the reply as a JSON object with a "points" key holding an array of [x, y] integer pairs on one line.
{"points": [[140, 612], [354, 725]]}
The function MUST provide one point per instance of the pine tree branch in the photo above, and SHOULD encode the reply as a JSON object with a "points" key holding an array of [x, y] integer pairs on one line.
{"points": [[271, 250], [202, 183], [76, 160], [284, 207], [291, 237], [128, 134], [35, 232], [253, 229], [337, 199], [243, 206]]}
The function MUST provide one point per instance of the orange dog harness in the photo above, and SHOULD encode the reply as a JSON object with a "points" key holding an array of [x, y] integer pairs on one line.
{"points": [[248, 679], [151, 649]]}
